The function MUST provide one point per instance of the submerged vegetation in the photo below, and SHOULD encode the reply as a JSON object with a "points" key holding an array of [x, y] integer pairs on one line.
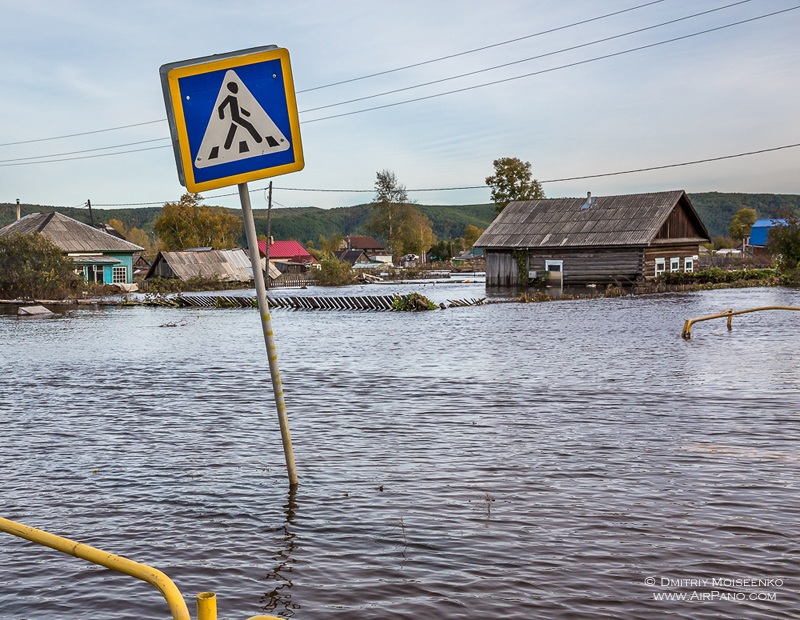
{"points": [[413, 302]]}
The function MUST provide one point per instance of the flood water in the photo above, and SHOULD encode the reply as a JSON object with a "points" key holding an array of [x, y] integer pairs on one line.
{"points": [[570, 459]]}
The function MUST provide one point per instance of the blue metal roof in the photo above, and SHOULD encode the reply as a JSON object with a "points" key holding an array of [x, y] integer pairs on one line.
{"points": [[758, 234]]}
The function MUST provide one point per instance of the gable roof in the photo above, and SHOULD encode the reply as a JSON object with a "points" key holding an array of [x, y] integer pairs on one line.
{"points": [[282, 249], [352, 256], [363, 243], [68, 234], [633, 219], [229, 265]]}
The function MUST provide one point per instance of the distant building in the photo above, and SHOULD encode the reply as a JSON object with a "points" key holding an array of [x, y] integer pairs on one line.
{"points": [[98, 256], [759, 233], [358, 259], [286, 251], [227, 265], [593, 240], [372, 248]]}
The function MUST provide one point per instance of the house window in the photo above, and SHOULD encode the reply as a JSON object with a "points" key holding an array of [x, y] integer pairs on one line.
{"points": [[119, 275], [94, 273], [553, 265], [674, 264], [660, 266], [688, 264]]}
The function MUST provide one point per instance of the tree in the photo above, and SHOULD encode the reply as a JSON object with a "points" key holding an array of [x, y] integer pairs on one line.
{"points": [[741, 224], [416, 233], [33, 266], [188, 224], [389, 208], [512, 181], [784, 242], [471, 234]]}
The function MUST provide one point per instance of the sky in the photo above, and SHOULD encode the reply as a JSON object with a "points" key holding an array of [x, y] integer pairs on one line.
{"points": [[72, 67]]}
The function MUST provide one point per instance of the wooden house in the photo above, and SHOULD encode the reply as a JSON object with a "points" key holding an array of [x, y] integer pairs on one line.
{"points": [[372, 247], [97, 255], [227, 265], [593, 240]]}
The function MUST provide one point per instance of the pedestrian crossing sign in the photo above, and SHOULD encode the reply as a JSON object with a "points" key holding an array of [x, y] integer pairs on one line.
{"points": [[233, 117]]}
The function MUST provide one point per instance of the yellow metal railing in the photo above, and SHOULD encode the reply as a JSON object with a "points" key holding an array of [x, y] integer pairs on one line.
{"points": [[729, 313], [206, 601]]}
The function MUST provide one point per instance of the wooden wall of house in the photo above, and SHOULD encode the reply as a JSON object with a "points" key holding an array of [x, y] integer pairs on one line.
{"points": [[163, 270], [679, 225], [501, 268], [667, 251], [590, 265]]}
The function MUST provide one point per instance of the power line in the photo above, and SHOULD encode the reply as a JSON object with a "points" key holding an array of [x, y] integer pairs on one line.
{"points": [[473, 187], [480, 49], [363, 77], [83, 133], [550, 70], [101, 148], [516, 62], [52, 161], [686, 163], [25, 161]]}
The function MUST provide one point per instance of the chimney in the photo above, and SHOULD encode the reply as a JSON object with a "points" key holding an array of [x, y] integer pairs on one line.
{"points": [[18, 213], [271, 239], [589, 201]]}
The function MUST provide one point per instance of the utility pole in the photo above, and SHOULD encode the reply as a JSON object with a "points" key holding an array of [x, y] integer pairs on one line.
{"points": [[269, 233], [91, 217], [18, 211]]}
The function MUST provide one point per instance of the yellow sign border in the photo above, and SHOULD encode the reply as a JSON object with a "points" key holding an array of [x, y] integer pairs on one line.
{"points": [[177, 73]]}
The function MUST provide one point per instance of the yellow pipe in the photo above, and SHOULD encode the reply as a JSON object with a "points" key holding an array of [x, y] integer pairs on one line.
{"points": [[123, 565], [206, 606], [687, 327]]}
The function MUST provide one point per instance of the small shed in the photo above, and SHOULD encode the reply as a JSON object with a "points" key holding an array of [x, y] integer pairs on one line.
{"points": [[98, 256], [593, 240], [227, 265]]}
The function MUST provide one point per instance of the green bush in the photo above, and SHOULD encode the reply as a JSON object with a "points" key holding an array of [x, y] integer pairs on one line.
{"points": [[714, 275], [32, 266], [413, 302], [333, 272]]}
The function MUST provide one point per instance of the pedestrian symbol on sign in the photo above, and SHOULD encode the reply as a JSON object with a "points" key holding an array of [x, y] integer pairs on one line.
{"points": [[239, 128]]}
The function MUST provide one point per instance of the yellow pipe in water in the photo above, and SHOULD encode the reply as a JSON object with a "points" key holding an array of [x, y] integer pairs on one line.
{"points": [[152, 576], [687, 327], [206, 606]]}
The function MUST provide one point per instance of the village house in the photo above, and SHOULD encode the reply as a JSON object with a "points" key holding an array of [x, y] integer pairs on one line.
{"points": [[98, 256], [227, 265], [371, 247], [760, 232], [593, 240]]}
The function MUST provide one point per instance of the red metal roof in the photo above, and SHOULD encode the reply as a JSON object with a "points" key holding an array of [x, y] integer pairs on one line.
{"points": [[282, 249]]}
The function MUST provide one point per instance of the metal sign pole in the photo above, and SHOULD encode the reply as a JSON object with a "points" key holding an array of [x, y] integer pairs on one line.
{"points": [[266, 326]]}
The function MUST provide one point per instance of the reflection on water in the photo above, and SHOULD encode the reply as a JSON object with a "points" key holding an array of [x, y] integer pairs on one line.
{"points": [[511, 461], [278, 601]]}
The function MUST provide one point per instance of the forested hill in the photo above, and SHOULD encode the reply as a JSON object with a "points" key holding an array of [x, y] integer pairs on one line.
{"points": [[308, 223], [717, 209]]}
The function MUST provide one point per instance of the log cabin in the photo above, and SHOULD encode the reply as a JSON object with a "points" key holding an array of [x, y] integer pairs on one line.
{"points": [[593, 240]]}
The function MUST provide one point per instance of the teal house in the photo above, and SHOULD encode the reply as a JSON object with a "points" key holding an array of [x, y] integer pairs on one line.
{"points": [[98, 256]]}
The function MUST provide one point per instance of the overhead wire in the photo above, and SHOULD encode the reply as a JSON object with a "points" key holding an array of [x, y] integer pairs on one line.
{"points": [[474, 187], [552, 69], [523, 60], [48, 158], [480, 49], [363, 77]]}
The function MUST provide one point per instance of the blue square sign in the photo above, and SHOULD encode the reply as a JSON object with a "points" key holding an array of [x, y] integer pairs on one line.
{"points": [[233, 117]]}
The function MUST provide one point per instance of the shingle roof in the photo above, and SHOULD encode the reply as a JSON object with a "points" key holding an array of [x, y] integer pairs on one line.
{"points": [[633, 219], [68, 234]]}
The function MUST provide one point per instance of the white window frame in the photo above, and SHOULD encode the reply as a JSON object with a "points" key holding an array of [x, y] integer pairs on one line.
{"points": [[661, 262], [117, 272], [688, 264], [674, 264], [554, 263]]}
